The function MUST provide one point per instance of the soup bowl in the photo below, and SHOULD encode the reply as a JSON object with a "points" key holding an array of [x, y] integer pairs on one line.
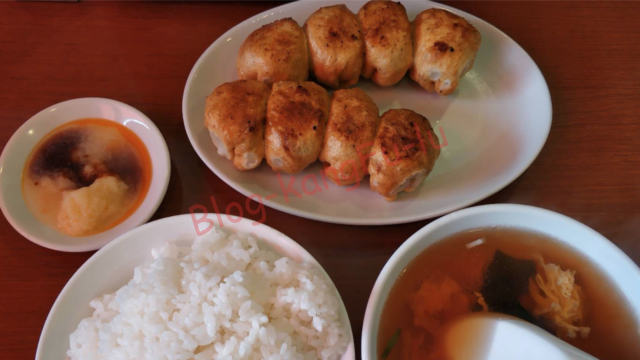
{"points": [[616, 267]]}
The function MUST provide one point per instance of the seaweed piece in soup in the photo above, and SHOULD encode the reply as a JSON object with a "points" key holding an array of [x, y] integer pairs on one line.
{"points": [[505, 281]]}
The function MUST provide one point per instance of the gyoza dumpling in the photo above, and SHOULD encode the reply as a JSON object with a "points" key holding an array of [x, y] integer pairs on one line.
{"points": [[445, 47], [387, 39], [353, 121], [336, 48], [275, 52], [234, 115], [401, 158], [296, 117]]}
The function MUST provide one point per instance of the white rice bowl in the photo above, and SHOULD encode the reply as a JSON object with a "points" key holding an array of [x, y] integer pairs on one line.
{"points": [[224, 297]]}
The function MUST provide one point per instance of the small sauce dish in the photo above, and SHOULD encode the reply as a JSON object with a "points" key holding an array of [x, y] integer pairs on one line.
{"points": [[29, 135]]}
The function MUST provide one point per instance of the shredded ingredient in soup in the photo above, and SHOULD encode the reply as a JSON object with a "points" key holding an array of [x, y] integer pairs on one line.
{"points": [[557, 298], [481, 301]]}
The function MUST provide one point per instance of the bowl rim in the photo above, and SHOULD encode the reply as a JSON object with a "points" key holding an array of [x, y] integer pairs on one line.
{"points": [[162, 154], [378, 295], [233, 227]]}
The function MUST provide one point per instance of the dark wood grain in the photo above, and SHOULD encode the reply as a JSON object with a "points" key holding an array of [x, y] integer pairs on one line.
{"points": [[141, 54]]}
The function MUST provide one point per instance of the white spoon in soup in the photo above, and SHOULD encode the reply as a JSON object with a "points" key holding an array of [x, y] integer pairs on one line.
{"points": [[492, 336]]}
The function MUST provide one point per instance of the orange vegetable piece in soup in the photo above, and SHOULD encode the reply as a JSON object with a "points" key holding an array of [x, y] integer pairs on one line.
{"points": [[438, 299]]}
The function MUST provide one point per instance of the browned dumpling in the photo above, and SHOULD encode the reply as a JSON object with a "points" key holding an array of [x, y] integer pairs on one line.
{"points": [[387, 39], [275, 52], [445, 48], [353, 121], [336, 48], [235, 115], [400, 159], [296, 117]]}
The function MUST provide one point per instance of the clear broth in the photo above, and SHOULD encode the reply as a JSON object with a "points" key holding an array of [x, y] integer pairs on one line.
{"points": [[614, 332]]}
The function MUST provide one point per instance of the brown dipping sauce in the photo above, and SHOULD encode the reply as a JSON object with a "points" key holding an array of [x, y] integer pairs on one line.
{"points": [[86, 176], [613, 329]]}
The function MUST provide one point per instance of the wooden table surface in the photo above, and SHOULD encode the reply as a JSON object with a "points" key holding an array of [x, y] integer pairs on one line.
{"points": [[141, 54]]}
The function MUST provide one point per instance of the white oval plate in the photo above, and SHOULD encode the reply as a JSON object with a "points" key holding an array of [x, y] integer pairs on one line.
{"points": [[495, 125], [27, 136], [621, 271], [112, 267]]}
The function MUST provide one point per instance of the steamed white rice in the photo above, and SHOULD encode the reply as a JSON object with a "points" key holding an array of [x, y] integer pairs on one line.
{"points": [[224, 297]]}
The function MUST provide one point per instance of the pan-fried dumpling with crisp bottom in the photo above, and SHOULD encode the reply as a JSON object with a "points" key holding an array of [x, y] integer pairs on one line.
{"points": [[445, 48], [402, 157], [234, 115], [352, 126], [387, 38], [296, 117], [274, 52], [336, 48]]}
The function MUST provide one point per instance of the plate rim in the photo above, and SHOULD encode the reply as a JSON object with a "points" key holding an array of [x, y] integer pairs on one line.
{"points": [[366, 221]]}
